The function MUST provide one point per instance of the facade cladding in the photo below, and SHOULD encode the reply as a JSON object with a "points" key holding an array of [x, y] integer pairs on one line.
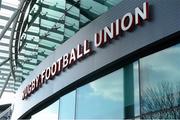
{"points": [[98, 59]]}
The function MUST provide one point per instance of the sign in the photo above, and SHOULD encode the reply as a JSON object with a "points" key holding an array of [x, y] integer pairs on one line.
{"points": [[104, 36]]}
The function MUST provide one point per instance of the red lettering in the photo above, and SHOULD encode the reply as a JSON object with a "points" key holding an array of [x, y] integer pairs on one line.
{"points": [[48, 74], [87, 47], [54, 69], [99, 39], [65, 60], [79, 52], [73, 56], [59, 63]]}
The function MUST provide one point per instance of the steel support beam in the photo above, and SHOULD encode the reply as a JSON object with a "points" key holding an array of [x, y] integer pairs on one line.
{"points": [[5, 84], [4, 62], [0, 3], [8, 7]]}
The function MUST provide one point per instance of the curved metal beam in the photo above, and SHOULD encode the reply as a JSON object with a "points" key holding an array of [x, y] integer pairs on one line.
{"points": [[15, 16], [10, 47], [12, 19], [6, 27], [19, 30]]}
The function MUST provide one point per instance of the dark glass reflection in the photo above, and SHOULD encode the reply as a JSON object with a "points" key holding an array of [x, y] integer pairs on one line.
{"points": [[160, 84], [101, 99], [67, 106]]}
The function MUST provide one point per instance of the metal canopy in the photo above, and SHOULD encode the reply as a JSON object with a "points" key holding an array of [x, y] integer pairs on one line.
{"points": [[38, 31], [6, 82]]}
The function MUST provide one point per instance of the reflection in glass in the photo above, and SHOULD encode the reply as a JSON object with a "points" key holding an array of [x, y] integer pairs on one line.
{"points": [[101, 99], [136, 88], [49, 113], [67, 106], [160, 84]]}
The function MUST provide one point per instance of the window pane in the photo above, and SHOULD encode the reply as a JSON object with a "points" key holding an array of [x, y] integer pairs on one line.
{"points": [[160, 84], [67, 106], [49, 113], [101, 99]]}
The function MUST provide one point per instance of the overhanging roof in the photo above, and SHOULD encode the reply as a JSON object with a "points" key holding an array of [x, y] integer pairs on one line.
{"points": [[47, 26]]}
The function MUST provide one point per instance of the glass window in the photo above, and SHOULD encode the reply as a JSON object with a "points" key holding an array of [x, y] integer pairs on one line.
{"points": [[93, 6], [49, 113], [160, 84], [101, 99], [67, 106]]}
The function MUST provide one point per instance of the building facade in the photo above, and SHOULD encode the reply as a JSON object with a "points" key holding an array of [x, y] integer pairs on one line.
{"points": [[99, 60]]}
